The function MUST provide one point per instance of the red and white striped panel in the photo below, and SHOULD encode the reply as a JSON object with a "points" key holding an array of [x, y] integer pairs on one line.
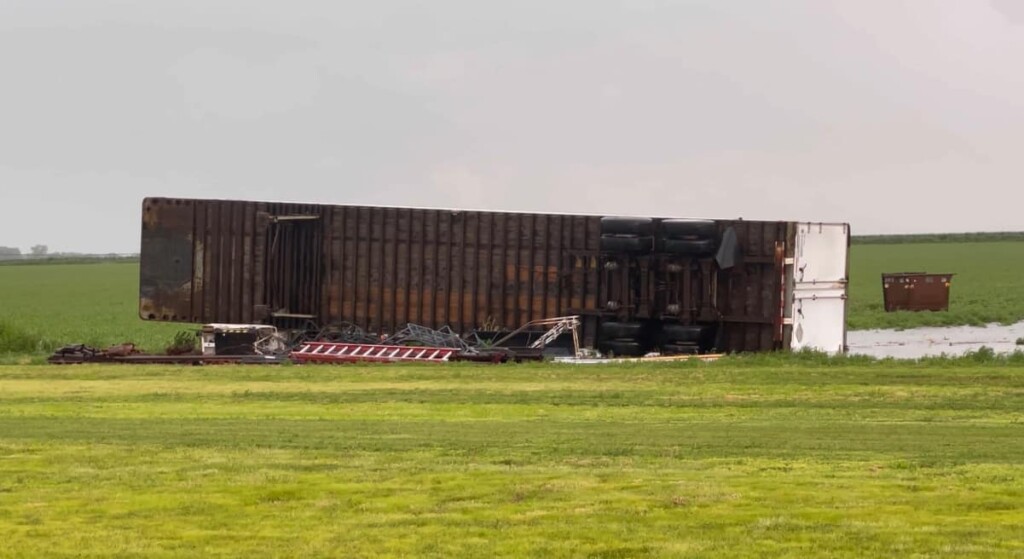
{"points": [[329, 352]]}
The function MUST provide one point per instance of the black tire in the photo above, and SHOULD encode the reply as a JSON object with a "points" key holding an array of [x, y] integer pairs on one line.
{"points": [[680, 349], [639, 226], [621, 330], [688, 247], [682, 333], [689, 229], [626, 243], [622, 348]]}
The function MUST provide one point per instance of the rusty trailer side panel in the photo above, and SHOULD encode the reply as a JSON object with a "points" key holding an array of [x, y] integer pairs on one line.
{"points": [[222, 261]]}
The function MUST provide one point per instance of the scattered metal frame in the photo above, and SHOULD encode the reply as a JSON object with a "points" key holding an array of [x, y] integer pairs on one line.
{"points": [[558, 326], [416, 334]]}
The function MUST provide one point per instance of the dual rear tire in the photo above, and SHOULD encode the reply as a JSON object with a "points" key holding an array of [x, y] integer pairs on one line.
{"points": [[685, 339], [633, 339], [641, 235], [688, 237], [630, 235], [622, 339]]}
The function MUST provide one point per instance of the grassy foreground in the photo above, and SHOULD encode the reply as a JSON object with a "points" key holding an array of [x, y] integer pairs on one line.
{"points": [[744, 458]]}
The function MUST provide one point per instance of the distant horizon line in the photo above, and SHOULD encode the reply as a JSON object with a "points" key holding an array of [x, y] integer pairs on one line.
{"points": [[862, 238]]}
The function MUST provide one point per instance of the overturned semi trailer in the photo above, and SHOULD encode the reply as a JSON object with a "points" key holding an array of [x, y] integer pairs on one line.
{"points": [[638, 284]]}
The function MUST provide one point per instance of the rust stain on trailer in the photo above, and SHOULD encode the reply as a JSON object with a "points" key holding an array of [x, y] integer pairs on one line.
{"points": [[166, 282]]}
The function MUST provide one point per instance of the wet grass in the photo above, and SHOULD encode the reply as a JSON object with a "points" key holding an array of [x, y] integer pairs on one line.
{"points": [[758, 457]]}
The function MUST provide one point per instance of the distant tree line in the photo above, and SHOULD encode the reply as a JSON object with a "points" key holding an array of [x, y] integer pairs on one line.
{"points": [[15, 252], [938, 238], [40, 254]]}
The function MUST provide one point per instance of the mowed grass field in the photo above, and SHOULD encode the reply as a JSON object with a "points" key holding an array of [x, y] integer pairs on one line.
{"points": [[747, 457]]}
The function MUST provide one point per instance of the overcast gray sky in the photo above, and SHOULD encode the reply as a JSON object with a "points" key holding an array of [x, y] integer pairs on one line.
{"points": [[894, 115]]}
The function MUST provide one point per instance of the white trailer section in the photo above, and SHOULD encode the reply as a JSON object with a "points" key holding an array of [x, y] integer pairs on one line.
{"points": [[817, 283]]}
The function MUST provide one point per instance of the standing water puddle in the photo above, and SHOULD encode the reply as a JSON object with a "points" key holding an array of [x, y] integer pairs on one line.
{"points": [[926, 342]]}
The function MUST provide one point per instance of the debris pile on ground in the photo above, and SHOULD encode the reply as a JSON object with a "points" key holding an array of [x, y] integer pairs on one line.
{"points": [[414, 334], [128, 353], [340, 343], [81, 353]]}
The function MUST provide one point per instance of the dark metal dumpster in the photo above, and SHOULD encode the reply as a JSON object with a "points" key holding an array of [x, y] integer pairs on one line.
{"points": [[916, 291]]}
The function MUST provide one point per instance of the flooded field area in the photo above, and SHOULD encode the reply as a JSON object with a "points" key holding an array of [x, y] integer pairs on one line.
{"points": [[925, 342]]}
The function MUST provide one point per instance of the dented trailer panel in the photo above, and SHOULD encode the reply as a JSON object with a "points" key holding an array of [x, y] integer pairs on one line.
{"points": [[379, 268]]}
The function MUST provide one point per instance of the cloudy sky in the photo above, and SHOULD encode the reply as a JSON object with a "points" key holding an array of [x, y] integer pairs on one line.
{"points": [[894, 115]]}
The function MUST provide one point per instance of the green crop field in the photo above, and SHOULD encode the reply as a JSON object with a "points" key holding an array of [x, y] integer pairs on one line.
{"points": [[45, 306], [756, 457], [988, 285]]}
